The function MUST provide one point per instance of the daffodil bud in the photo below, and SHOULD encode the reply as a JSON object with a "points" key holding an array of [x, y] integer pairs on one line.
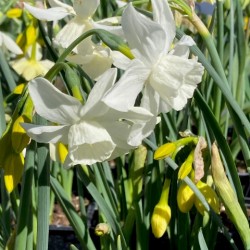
{"points": [[165, 150], [210, 196], [228, 197], [102, 229], [13, 170], [185, 198], [18, 90], [160, 219], [62, 152], [14, 13], [162, 212], [31, 35], [115, 42], [186, 167], [19, 137], [73, 82]]}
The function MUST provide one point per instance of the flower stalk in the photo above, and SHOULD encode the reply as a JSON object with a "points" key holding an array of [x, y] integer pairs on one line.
{"points": [[229, 199]]}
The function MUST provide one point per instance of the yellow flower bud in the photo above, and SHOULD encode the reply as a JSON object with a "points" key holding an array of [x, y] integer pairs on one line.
{"points": [[186, 167], [19, 137], [160, 219], [13, 170], [31, 35], [165, 150], [185, 198], [62, 152], [102, 229], [18, 90], [210, 196], [162, 212], [14, 13]]}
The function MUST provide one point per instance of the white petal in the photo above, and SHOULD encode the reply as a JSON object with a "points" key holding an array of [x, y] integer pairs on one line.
{"points": [[58, 3], [178, 81], [47, 134], [140, 131], [182, 47], [111, 24], [137, 115], [51, 14], [47, 64], [85, 8], [144, 125], [105, 82], [52, 104], [71, 31], [9, 44], [124, 93], [120, 60], [164, 107], [89, 143], [94, 64], [162, 14], [119, 132], [145, 37], [150, 99]]}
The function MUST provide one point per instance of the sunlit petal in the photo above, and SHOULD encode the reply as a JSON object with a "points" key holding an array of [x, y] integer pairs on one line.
{"points": [[95, 63], [95, 146], [72, 30], [175, 86], [85, 8], [162, 14], [182, 47], [47, 134], [51, 14], [52, 104], [9, 44], [123, 95], [146, 38]]}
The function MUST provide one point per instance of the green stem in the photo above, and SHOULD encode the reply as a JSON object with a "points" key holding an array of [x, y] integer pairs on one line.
{"points": [[25, 207], [220, 35], [43, 171]]}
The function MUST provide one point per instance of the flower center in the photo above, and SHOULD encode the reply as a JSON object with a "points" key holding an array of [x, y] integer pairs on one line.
{"points": [[163, 77]]}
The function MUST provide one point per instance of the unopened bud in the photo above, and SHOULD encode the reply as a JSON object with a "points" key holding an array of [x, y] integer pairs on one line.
{"points": [[210, 196], [62, 152], [102, 229], [18, 90], [160, 219], [162, 212], [19, 137], [185, 198], [13, 170], [165, 150], [14, 13], [186, 167], [228, 197]]}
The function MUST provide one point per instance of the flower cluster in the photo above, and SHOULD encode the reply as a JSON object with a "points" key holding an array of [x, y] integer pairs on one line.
{"points": [[111, 123]]}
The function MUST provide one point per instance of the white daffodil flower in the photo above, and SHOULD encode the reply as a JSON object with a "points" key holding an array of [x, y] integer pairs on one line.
{"points": [[167, 78], [93, 132], [7, 42], [32, 66], [93, 55]]}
